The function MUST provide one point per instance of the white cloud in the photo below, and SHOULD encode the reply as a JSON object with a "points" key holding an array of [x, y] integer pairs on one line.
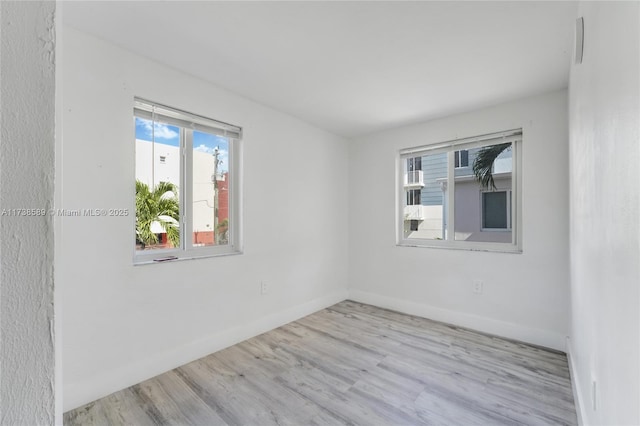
{"points": [[159, 130], [204, 148]]}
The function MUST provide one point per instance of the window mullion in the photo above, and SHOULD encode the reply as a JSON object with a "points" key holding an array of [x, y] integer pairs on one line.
{"points": [[230, 208], [509, 210], [451, 178], [187, 188], [515, 187]]}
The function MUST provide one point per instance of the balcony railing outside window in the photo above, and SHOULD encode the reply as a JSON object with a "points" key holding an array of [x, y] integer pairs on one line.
{"points": [[413, 212], [414, 178]]}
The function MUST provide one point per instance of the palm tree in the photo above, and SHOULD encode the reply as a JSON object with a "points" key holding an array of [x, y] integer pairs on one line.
{"points": [[483, 164], [222, 232], [157, 206]]}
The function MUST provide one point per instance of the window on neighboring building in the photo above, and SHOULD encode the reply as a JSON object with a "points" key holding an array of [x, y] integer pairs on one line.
{"points": [[461, 158], [413, 197], [189, 207], [496, 210], [414, 164], [452, 206], [414, 171]]}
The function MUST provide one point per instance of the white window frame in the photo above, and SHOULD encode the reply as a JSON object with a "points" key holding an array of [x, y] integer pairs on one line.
{"points": [[515, 246], [188, 122]]}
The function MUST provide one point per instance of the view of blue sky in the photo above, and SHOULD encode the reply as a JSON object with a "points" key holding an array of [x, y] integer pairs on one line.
{"points": [[167, 134]]}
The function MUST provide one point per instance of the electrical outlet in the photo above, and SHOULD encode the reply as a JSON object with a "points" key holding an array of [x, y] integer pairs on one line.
{"points": [[264, 288], [478, 286]]}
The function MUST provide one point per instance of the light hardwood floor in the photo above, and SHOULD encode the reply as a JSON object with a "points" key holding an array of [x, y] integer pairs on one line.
{"points": [[353, 364]]}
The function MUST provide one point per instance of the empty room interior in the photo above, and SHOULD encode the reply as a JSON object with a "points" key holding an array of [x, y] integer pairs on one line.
{"points": [[292, 213]]}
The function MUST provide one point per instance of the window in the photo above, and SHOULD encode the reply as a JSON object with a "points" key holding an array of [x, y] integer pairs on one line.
{"points": [[461, 158], [414, 172], [414, 164], [187, 184], [496, 210], [413, 197], [467, 196]]}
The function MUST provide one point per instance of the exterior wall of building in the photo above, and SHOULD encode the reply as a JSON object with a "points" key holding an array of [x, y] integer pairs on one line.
{"points": [[434, 167], [149, 168], [203, 197], [468, 198]]}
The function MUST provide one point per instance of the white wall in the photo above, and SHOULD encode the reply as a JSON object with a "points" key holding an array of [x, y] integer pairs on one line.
{"points": [[123, 324], [605, 180], [27, 90], [525, 295]]}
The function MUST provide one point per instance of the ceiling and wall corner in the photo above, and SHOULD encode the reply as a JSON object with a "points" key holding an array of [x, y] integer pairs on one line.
{"points": [[352, 68], [27, 90]]}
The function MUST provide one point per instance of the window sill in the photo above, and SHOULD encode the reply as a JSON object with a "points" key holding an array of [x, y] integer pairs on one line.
{"points": [[485, 247], [163, 258]]}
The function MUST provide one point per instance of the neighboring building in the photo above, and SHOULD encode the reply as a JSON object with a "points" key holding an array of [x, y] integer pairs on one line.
{"points": [[481, 215], [158, 162]]}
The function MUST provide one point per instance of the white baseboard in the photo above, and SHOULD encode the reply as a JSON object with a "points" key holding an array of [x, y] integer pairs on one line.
{"points": [[92, 388], [546, 338], [575, 384]]}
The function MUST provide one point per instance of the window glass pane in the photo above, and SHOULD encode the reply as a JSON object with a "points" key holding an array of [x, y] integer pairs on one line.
{"points": [[413, 197], [414, 163], [480, 210], [426, 219], [504, 161], [464, 158], [210, 197], [157, 174], [461, 158]]}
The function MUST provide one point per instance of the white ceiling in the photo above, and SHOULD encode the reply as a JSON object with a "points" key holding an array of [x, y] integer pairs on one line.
{"points": [[350, 67]]}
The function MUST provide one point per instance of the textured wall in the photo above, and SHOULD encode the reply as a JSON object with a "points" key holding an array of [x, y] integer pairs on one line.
{"points": [[604, 111], [27, 90]]}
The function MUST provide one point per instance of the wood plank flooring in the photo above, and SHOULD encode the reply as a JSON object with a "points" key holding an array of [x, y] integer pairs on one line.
{"points": [[353, 364]]}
